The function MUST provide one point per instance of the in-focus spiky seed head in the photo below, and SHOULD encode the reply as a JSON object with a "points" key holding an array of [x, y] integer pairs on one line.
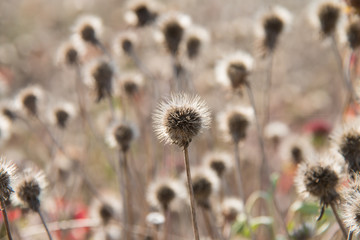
{"points": [[180, 118], [195, 38], [88, 28], [233, 70], [205, 183], [125, 42], [319, 178], [141, 13], [230, 208], [235, 121], [29, 98], [99, 74], [30, 189], [164, 193], [296, 149], [270, 26], [351, 204], [7, 178], [121, 134], [173, 27], [220, 162]]}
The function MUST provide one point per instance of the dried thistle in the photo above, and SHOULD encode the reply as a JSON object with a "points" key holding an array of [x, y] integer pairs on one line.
{"points": [[110, 208], [235, 121], [121, 134], [233, 70], [131, 84], [349, 32], [29, 98], [296, 149], [231, 207], [7, 177], [89, 28], [141, 13], [351, 204], [219, 162], [125, 42], [70, 52], [195, 39], [61, 114]]}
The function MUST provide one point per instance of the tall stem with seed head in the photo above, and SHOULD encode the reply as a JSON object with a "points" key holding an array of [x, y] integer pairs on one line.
{"points": [[6, 220], [191, 193]]}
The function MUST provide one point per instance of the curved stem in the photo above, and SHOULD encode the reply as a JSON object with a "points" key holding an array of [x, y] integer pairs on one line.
{"points": [[191, 194], [44, 223], [6, 220], [339, 221]]}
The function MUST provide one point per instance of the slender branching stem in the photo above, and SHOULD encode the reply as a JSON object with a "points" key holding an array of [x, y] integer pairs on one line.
{"points": [[6, 220], [44, 223], [350, 235], [191, 193], [339, 221], [267, 95]]}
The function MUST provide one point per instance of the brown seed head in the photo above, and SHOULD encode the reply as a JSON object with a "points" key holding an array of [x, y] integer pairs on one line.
{"points": [[329, 15]]}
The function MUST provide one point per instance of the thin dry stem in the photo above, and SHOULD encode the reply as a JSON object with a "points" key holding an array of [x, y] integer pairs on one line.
{"points": [[44, 223], [6, 220], [339, 221]]}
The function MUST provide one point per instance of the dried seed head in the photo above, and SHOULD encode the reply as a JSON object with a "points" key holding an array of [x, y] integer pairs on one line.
{"points": [[230, 208], [347, 142], [351, 204], [125, 42], [275, 131], [121, 134], [173, 27], [320, 179], [235, 121], [61, 114], [30, 189], [180, 118], [7, 110], [270, 26], [99, 74], [296, 149], [29, 98], [349, 32], [354, 3], [304, 231], [5, 129], [233, 70], [195, 38], [155, 218], [107, 210], [219, 162], [165, 193], [7, 177], [141, 13], [325, 16], [70, 52], [88, 28], [131, 84]]}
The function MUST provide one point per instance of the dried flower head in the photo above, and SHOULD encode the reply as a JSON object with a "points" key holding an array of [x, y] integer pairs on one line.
{"points": [[296, 149], [109, 232], [121, 134], [131, 84], [230, 208], [155, 218], [70, 52], [271, 24], [325, 16], [5, 129], [180, 118], [205, 183], [88, 28], [347, 142], [233, 70], [234, 122], [173, 27], [108, 209], [219, 162], [29, 98], [319, 178], [166, 193], [61, 114], [141, 13], [30, 189], [275, 131], [8, 110], [7, 177], [99, 74], [349, 32], [125, 42], [195, 38]]}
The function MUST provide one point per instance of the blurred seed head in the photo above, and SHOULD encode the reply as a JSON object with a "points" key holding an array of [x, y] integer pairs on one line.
{"points": [[166, 193], [220, 162], [319, 178], [89, 28], [178, 119], [173, 26], [7, 178], [205, 183], [271, 25], [234, 122], [8, 110], [28, 100], [349, 32], [30, 189], [276, 131], [109, 232], [121, 134], [131, 84], [5, 129], [233, 70], [195, 39], [155, 218], [99, 75], [125, 42], [325, 16], [70, 52], [230, 208], [141, 13], [354, 3], [296, 149], [61, 114], [107, 210], [304, 231]]}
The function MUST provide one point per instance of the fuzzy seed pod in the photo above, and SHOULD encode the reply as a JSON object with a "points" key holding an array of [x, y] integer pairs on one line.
{"points": [[230, 208], [125, 42], [195, 38], [121, 134], [349, 33], [141, 13], [61, 114], [219, 162], [28, 100], [131, 84], [7, 177], [88, 28], [296, 149], [155, 218], [180, 118], [70, 52], [107, 210]]}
